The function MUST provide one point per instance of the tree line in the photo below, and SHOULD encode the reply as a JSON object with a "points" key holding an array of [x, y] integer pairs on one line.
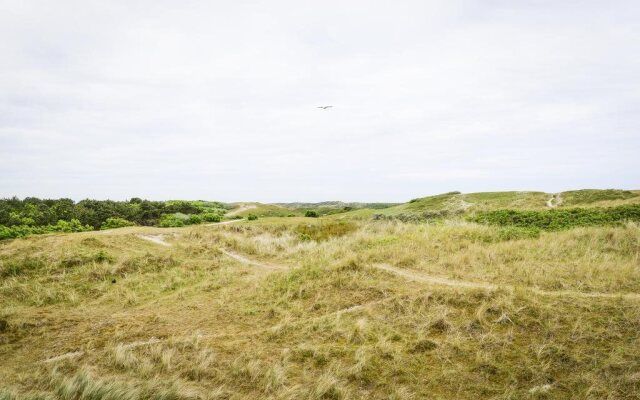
{"points": [[19, 217]]}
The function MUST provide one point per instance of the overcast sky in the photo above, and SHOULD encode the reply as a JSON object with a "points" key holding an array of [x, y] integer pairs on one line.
{"points": [[217, 99]]}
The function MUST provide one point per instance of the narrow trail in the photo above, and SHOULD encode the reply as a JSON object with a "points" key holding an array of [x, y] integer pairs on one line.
{"points": [[64, 356], [157, 239], [409, 275], [242, 208], [417, 277], [554, 201], [428, 279], [233, 221], [244, 260], [434, 280]]}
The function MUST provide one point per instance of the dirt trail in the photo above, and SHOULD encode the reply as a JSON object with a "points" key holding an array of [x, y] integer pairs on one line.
{"points": [[417, 277], [554, 201], [64, 356], [434, 280], [429, 279], [225, 222], [157, 239], [243, 207], [245, 260]]}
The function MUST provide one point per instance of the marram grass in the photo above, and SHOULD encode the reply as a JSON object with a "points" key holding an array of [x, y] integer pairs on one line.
{"points": [[111, 315]]}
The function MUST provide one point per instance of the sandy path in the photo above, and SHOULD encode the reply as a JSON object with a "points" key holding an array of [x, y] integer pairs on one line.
{"points": [[243, 207], [157, 239], [423, 278], [225, 222], [245, 260], [64, 356], [429, 279], [433, 280], [554, 201]]}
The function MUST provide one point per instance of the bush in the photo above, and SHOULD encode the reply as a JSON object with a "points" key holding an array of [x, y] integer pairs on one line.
{"points": [[21, 266], [36, 212], [172, 221], [70, 226], [311, 214], [211, 217], [324, 231], [195, 219], [557, 219], [115, 222], [252, 217], [16, 231]]}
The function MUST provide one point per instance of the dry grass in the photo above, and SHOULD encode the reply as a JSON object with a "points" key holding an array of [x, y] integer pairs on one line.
{"points": [[188, 322]]}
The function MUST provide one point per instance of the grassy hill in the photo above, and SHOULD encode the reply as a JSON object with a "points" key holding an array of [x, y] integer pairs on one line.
{"points": [[299, 209], [456, 203], [334, 307]]}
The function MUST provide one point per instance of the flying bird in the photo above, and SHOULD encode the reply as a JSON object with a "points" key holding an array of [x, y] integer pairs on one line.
{"points": [[324, 107]]}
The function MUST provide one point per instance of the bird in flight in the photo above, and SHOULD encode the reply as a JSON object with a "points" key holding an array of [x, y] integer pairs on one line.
{"points": [[324, 107]]}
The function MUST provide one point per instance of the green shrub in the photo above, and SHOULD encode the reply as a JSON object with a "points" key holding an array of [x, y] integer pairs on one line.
{"points": [[16, 231], [21, 266], [195, 219], [70, 226], [252, 217], [115, 222], [211, 217], [173, 220], [557, 219], [102, 256], [324, 231], [311, 214]]}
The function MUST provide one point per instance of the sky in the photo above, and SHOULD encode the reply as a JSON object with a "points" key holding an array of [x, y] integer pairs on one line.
{"points": [[218, 100]]}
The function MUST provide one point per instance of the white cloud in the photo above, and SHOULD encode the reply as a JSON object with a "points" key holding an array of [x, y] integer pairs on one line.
{"points": [[216, 100]]}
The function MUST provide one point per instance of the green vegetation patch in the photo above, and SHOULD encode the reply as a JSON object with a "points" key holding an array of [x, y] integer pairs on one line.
{"points": [[32, 216], [588, 196], [324, 231], [432, 202], [15, 267], [112, 223], [558, 219], [499, 200], [16, 231]]}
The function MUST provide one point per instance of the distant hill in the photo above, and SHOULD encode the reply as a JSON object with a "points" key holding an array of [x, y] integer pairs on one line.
{"points": [[462, 203], [337, 204]]}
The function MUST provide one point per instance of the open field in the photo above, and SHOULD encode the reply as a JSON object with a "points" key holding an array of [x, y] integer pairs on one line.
{"points": [[322, 308]]}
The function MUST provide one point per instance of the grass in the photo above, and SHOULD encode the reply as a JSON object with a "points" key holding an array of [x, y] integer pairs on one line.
{"points": [[136, 320], [591, 196], [456, 203]]}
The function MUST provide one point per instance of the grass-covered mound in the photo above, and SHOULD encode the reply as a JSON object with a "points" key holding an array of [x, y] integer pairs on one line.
{"points": [[590, 196], [495, 312]]}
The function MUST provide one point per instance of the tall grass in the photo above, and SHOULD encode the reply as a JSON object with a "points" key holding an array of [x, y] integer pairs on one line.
{"points": [[186, 322]]}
